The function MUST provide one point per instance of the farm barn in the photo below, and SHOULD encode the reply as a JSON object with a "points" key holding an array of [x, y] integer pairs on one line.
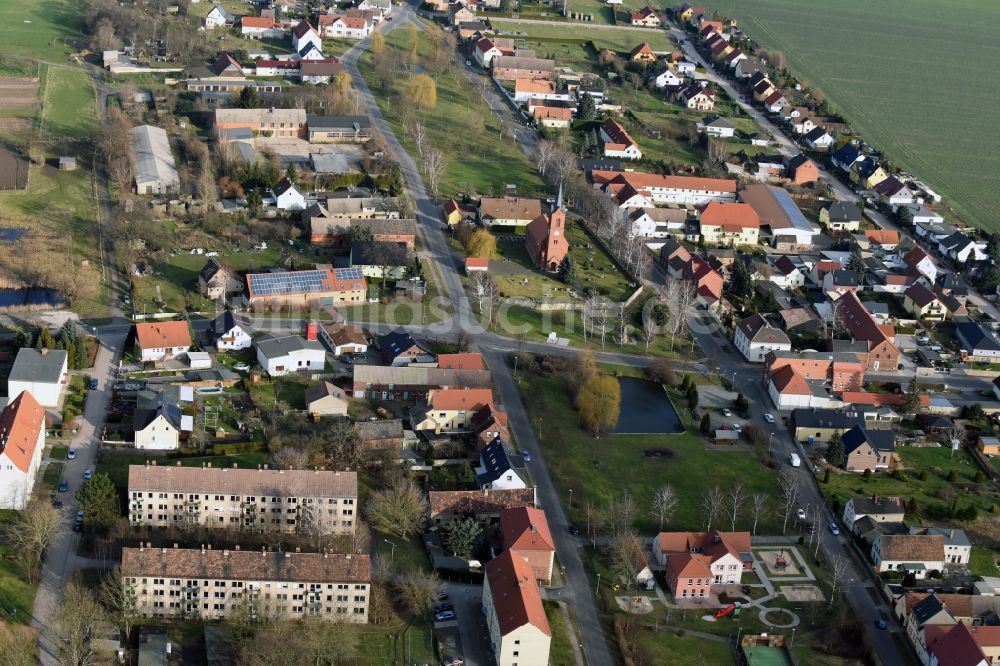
{"points": [[155, 172]]}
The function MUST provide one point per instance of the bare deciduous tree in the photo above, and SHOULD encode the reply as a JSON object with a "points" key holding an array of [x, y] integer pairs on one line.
{"points": [[400, 508], [18, 645], [789, 490], [711, 504], [434, 164], [735, 502], [76, 621], [486, 293], [120, 601], [543, 155], [31, 532], [418, 590], [663, 504], [679, 295], [624, 555], [620, 514], [649, 330], [758, 502], [839, 566], [289, 457], [418, 131]]}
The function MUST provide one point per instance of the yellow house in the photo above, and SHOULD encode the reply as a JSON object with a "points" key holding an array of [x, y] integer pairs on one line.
{"points": [[841, 216], [686, 15], [989, 446], [642, 53], [455, 212], [730, 224], [922, 303], [450, 410], [867, 173]]}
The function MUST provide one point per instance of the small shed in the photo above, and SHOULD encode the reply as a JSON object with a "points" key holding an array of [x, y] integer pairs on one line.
{"points": [[67, 164], [727, 437], [199, 360], [473, 264]]}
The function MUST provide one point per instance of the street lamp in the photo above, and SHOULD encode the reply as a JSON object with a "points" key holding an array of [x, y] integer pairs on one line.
{"points": [[392, 553], [769, 440], [734, 380], [571, 498], [598, 590]]}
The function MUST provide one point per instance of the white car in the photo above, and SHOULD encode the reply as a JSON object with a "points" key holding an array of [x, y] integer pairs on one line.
{"points": [[801, 514], [769, 417], [726, 413], [737, 427], [241, 367]]}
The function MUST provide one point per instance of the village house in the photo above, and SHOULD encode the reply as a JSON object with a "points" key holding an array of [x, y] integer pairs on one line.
{"points": [[957, 547], [325, 399], [323, 287], [917, 260], [525, 532], [696, 96], [456, 212], [215, 281], [729, 224], [668, 78], [344, 27], [22, 433], [883, 239], [288, 123], [380, 259], [450, 410], [817, 425], [411, 382], [716, 126], [41, 372], [227, 334], [616, 141], [697, 562], [867, 172], [552, 116], [329, 586], [495, 471], [642, 53], [511, 68], [279, 356], [484, 505], [785, 272], [302, 34], [285, 196], [399, 348], [922, 303], [645, 17], [860, 325], [868, 449], [818, 139], [162, 340], [790, 230], [338, 129], [754, 337], [343, 338], [158, 421], [978, 341], [259, 27], [508, 211], [657, 189], [519, 631], [249, 499], [894, 192], [880, 509], [918, 554]]}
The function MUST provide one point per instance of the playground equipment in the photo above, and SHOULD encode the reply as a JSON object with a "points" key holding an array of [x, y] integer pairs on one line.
{"points": [[731, 608], [781, 563]]}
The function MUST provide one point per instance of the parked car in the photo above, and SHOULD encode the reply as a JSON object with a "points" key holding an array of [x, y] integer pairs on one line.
{"points": [[442, 595], [727, 413], [880, 622], [801, 514], [441, 608], [737, 428], [344, 358], [445, 616], [77, 527], [241, 367], [574, 529], [79, 516], [71, 454], [834, 530], [63, 486], [92, 384], [525, 456], [87, 474], [769, 417]]}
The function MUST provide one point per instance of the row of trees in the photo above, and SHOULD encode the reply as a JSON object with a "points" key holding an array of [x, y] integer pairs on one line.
{"points": [[69, 338]]}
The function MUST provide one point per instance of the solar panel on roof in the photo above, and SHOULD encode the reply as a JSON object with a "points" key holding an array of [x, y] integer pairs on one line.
{"points": [[792, 211], [352, 273], [263, 284]]}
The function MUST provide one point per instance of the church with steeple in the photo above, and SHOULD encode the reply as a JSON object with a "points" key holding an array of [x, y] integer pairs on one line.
{"points": [[545, 238]]}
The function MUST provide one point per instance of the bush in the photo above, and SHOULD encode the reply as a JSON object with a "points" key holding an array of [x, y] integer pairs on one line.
{"points": [[924, 475], [867, 474], [980, 477], [952, 476]]}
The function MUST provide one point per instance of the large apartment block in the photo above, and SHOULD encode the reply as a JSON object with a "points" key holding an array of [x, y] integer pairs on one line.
{"points": [[212, 584], [254, 500]]}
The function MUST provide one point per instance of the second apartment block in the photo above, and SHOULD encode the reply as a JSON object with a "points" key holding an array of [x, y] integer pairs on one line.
{"points": [[254, 500]]}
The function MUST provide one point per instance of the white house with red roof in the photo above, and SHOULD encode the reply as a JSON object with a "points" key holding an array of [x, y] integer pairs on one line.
{"points": [[304, 34], [617, 142], [525, 532], [685, 190], [755, 337], [161, 340], [22, 438], [519, 631], [259, 27], [344, 27]]}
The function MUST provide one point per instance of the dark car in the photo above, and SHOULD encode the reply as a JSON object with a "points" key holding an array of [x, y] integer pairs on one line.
{"points": [[444, 617], [880, 622], [92, 384], [58, 504], [574, 529], [63, 486], [442, 595], [440, 608], [77, 527]]}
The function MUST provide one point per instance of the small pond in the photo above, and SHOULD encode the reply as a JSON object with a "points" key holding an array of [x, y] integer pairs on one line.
{"points": [[31, 297], [646, 409], [9, 234]]}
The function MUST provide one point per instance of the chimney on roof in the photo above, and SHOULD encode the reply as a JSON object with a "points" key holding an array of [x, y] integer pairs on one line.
{"points": [[951, 534], [43, 351], [202, 549], [237, 548], [533, 528], [265, 465], [225, 553], [176, 546], [210, 465], [234, 465]]}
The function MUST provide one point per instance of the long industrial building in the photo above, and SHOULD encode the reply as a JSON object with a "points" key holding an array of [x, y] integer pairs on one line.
{"points": [[155, 170]]}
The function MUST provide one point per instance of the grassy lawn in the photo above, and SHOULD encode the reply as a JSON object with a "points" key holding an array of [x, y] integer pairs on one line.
{"points": [[408, 554], [544, 37], [58, 207], [461, 126], [429, 310], [177, 277], [288, 391], [598, 469], [520, 322], [376, 643], [16, 595], [595, 270], [116, 466], [37, 29], [936, 491], [845, 61], [669, 648], [51, 475], [59, 452], [982, 562], [561, 648]]}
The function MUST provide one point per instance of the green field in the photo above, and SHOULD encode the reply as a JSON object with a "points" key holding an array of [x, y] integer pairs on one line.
{"points": [[669, 648], [37, 29], [461, 126], [905, 74], [598, 469]]}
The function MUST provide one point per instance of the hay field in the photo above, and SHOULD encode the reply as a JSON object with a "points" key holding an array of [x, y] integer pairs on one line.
{"points": [[908, 74]]}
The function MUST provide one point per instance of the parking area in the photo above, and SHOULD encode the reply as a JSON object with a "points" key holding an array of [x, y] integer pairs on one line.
{"points": [[468, 600]]}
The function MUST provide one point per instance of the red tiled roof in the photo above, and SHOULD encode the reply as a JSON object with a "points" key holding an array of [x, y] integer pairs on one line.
{"points": [[883, 236], [958, 648], [302, 29], [787, 380], [20, 423], [643, 48], [644, 181], [920, 295], [469, 361], [516, 597], [730, 215], [878, 399], [161, 334], [689, 565], [526, 528], [619, 137], [860, 323], [257, 22], [459, 399]]}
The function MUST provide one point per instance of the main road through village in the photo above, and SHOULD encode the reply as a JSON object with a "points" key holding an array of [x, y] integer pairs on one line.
{"points": [[62, 560]]}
